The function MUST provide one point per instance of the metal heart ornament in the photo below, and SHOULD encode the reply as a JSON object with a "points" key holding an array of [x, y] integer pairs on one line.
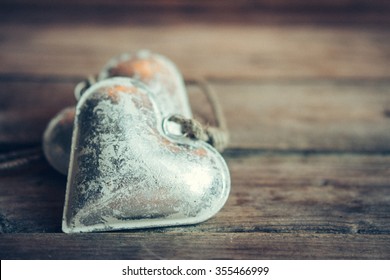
{"points": [[156, 71], [160, 75], [128, 170]]}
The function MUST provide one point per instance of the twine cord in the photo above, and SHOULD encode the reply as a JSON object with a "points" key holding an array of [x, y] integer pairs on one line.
{"points": [[83, 86], [19, 159], [217, 136]]}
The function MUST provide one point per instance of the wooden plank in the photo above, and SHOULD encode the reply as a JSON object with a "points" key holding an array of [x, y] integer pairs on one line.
{"points": [[27, 107], [333, 193], [158, 16], [348, 116], [231, 5], [285, 193], [151, 245], [31, 198], [228, 51], [319, 116]]}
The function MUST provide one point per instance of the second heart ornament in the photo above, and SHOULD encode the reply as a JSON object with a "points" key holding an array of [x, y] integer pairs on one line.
{"points": [[128, 169]]}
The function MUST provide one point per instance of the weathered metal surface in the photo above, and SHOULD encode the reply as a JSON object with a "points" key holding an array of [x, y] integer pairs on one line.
{"points": [[127, 172], [158, 73], [154, 70]]}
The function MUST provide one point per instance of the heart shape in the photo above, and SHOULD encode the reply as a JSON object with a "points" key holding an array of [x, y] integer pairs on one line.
{"points": [[156, 71], [127, 171]]}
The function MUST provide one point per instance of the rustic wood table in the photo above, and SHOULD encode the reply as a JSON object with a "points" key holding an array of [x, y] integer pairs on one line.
{"points": [[306, 95]]}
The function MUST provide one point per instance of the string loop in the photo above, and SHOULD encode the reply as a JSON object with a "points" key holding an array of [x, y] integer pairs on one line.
{"points": [[217, 136]]}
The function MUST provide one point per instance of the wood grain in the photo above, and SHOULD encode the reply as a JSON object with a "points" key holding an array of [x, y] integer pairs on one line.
{"points": [[246, 51], [193, 246], [241, 5], [317, 115]]}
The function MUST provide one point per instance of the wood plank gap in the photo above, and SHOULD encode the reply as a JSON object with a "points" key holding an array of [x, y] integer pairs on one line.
{"points": [[248, 152]]}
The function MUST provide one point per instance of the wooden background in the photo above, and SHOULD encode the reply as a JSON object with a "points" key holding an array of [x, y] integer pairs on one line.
{"points": [[305, 86]]}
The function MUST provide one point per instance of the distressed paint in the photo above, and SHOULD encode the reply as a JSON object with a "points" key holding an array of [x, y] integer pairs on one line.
{"points": [[126, 172], [154, 70]]}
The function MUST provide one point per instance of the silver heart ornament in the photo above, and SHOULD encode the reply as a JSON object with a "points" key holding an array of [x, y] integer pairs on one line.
{"points": [[156, 71], [129, 169]]}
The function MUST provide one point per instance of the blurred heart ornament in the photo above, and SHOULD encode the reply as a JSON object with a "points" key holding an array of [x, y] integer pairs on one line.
{"points": [[129, 169]]}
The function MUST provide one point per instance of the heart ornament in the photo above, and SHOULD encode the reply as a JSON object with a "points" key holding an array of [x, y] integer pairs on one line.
{"points": [[129, 168], [156, 71]]}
